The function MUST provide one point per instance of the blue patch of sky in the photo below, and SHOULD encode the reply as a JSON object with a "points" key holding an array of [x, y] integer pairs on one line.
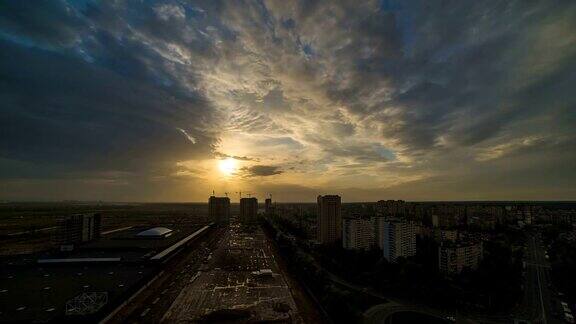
{"points": [[384, 152], [404, 23]]}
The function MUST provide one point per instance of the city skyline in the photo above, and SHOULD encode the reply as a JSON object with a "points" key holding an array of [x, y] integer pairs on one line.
{"points": [[167, 101]]}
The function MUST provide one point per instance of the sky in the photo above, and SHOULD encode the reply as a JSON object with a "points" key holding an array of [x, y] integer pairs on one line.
{"points": [[171, 100]]}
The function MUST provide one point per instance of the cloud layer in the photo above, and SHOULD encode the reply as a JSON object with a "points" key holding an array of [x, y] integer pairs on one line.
{"points": [[392, 99]]}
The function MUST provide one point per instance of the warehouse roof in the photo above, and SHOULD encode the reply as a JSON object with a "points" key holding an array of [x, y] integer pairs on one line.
{"points": [[156, 232]]}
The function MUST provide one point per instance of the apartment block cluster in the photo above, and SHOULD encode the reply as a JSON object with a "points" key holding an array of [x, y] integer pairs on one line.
{"points": [[395, 236], [393, 229]]}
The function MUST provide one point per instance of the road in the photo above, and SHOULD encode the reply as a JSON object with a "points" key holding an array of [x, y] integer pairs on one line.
{"points": [[45, 229], [537, 304], [151, 305], [381, 314]]}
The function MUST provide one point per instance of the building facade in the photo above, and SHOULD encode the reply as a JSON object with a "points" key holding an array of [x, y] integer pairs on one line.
{"points": [[268, 206], [75, 229], [357, 234], [329, 219], [248, 210], [455, 256], [219, 209], [398, 239], [441, 235]]}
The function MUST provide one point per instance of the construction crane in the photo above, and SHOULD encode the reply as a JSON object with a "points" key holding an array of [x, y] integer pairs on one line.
{"points": [[249, 194]]}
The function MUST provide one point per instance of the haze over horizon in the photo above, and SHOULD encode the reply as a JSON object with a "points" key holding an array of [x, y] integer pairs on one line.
{"points": [[166, 101]]}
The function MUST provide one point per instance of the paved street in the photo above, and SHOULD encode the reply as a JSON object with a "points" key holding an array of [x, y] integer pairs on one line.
{"points": [[537, 304]]}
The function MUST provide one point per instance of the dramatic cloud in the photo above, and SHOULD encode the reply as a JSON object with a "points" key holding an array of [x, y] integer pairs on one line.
{"points": [[377, 99], [262, 170]]}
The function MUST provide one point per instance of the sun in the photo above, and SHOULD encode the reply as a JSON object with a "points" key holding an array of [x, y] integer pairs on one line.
{"points": [[228, 166]]}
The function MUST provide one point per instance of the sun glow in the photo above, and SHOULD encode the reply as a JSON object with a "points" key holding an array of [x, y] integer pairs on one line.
{"points": [[228, 166]]}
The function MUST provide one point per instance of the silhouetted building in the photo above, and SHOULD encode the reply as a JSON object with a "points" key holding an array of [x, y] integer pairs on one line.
{"points": [[455, 256], [75, 229], [357, 234], [219, 209], [329, 221], [248, 209], [268, 206], [398, 239]]}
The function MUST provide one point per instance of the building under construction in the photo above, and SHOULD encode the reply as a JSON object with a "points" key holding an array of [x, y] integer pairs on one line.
{"points": [[219, 209], [248, 210]]}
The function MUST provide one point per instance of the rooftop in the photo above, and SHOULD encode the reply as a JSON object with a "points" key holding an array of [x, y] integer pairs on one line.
{"points": [[156, 232]]}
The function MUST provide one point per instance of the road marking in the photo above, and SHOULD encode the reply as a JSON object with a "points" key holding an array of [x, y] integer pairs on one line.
{"points": [[156, 300], [145, 312]]}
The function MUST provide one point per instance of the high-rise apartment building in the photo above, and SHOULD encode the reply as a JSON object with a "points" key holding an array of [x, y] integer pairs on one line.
{"points": [[398, 239], [455, 256], [248, 210], [329, 219], [378, 228], [357, 234], [268, 206], [219, 209]]}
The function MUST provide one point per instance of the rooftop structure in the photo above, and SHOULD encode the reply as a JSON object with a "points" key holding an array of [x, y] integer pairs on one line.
{"points": [[157, 232], [183, 241]]}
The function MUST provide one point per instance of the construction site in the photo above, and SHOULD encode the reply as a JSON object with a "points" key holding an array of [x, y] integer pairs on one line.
{"points": [[239, 281]]}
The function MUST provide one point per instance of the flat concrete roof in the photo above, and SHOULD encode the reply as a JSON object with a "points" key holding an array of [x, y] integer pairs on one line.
{"points": [[155, 232]]}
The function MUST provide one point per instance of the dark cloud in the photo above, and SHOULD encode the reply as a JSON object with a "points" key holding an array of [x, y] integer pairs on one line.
{"points": [[62, 110], [235, 157], [262, 170], [45, 23], [81, 92]]}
